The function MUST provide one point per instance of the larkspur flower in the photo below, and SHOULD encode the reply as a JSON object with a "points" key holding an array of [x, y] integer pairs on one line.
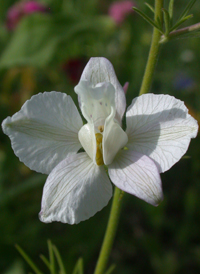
{"points": [[48, 131]]}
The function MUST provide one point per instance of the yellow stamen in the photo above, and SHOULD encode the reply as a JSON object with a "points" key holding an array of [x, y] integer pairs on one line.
{"points": [[99, 154]]}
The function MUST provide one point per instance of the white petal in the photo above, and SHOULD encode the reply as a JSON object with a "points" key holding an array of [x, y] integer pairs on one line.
{"points": [[137, 174], [96, 102], [75, 190], [160, 127], [99, 70], [114, 139], [45, 130], [87, 139]]}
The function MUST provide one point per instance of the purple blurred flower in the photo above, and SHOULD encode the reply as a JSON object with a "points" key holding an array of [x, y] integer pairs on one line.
{"points": [[20, 9], [183, 81], [119, 10]]}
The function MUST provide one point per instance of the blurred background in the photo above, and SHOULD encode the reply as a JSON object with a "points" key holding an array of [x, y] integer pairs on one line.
{"points": [[44, 46]]}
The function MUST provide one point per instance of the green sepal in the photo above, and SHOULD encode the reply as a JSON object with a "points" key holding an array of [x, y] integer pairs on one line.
{"points": [[78, 269], [28, 260], [148, 19], [150, 7]]}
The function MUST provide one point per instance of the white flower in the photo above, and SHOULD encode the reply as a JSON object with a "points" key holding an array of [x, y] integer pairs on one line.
{"points": [[48, 131]]}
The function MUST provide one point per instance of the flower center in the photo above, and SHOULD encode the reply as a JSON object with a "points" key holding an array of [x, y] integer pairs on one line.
{"points": [[99, 152]]}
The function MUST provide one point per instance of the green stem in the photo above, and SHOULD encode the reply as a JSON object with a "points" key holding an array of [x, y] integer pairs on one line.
{"points": [[153, 53], [110, 232]]}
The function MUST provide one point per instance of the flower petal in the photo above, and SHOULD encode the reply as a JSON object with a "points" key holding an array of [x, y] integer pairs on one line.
{"points": [[160, 127], [87, 139], [99, 70], [45, 130], [137, 174], [75, 190], [114, 139], [96, 102]]}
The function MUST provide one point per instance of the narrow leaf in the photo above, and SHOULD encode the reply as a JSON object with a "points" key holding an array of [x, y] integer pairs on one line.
{"points": [[149, 20], [187, 9], [51, 257], [158, 22], [28, 260], [181, 22], [46, 262], [78, 269], [110, 269], [59, 260], [192, 31], [167, 21], [171, 9], [150, 7]]}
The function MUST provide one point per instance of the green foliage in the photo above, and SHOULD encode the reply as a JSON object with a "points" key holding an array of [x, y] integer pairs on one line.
{"points": [[111, 269], [148, 19], [51, 263], [78, 269], [28, 260], [37, 39], [169, 27]]}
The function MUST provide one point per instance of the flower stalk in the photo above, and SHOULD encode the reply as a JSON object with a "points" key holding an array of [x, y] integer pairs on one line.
{"points": [[110, 232], [154, 51]]}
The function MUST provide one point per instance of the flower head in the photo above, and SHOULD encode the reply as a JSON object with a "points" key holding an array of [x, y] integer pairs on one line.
{"points": [[20, 9], [47, 133]]}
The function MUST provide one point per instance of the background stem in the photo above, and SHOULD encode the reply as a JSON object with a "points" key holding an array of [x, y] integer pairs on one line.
{"points": [[110, 232], [153, 53]]}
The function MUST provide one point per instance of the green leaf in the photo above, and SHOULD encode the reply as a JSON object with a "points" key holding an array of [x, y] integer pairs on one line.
{"points": [[148, 19], [78, 269], [51, 257], [59, 260], [187, 9], [158, 22], [181, 22], [192, 31], [150, 7], [38, 36], [46, 262], [171, 9], [28, 260], [167, 21], [110, 269]]}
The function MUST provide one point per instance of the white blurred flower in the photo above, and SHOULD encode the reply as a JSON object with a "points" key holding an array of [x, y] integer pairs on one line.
{"points": [[48, 131]]}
